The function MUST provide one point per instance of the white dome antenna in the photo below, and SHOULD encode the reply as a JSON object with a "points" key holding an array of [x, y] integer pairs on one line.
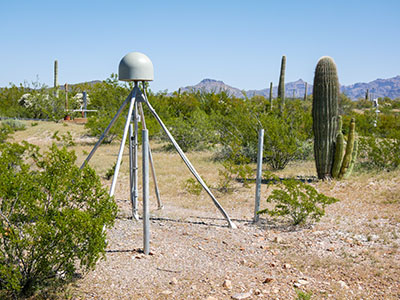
{"points": [[135, 66]]}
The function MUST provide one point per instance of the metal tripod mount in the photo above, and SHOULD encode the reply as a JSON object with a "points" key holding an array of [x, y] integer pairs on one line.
{"points": [[137, 67]]}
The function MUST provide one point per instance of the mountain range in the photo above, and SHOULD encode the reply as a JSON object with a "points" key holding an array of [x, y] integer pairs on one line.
{"points": [[378, 88]]}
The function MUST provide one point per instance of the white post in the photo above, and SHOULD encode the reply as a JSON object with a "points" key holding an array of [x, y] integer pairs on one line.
{"points": [[259, 173], [133, 172], [146, 212]]}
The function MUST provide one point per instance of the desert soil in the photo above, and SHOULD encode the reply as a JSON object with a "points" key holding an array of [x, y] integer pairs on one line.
{"points": [[352, 253]]}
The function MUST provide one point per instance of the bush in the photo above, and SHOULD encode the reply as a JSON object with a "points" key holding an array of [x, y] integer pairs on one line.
{"points": [[5, 131], [52, 216], [194, 133], [380, 154], [297, 200], [281, 142]]}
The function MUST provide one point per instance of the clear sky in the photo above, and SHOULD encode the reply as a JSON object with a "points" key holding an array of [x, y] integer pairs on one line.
{"points": [[238, 42]]}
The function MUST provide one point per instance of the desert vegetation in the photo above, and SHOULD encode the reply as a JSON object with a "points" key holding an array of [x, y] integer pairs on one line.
{"points": [[53, 215]]}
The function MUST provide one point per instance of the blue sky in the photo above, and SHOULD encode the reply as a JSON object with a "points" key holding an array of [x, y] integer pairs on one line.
{"points": [[238, 42]]}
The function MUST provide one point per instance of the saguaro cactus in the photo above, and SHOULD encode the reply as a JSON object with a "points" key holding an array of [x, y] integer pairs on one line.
{"points": [[56, 77], [305, 91], [270, 94], [281, 85], [324, 114]]}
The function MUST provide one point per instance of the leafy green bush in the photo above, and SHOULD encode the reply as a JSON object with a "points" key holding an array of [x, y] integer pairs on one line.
{"points": [[193, 133], [281, 142], [296, 200], [380, 154], [5, 131], [284, 133], [52, 216]]}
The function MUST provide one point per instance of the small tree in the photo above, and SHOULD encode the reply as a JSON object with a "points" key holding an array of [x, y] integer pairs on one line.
{"points": [[52, 215]]}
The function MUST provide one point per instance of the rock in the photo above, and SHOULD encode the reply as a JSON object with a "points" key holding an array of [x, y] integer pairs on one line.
{"points": [[227, 284], [296, 285], [343, 284], [302, 281], [373, 237], [174, 281], [241, 296], [278, 239], [287, 266], [268, 280], [257, 292], [166, 292], [211, 298]]}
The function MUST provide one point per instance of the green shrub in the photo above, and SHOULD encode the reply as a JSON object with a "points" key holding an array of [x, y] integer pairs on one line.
{"points": [[303, 295], [5, 131], [281, 142], [193, 133], [296, 200], [52, 216], [380, 154], [193, 187]]}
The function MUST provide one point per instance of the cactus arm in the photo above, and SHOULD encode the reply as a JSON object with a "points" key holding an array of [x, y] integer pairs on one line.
{"points": [[339, 150], [349, 149], [353, 160]]}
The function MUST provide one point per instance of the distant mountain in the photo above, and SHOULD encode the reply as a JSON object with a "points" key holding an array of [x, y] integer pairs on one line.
{"points": [[378, 88], [211, 86]]}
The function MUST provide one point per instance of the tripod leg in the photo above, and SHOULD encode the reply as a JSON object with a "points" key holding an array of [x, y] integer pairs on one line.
{"points": [[102, 137], [153, 171], [190, 166], [121, 148], [133, 171], [135, 161]]}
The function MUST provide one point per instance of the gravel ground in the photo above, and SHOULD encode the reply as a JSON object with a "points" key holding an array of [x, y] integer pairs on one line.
{"points": [[194, 256]]}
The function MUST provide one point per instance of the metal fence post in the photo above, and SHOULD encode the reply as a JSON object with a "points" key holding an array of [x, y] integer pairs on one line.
{"points": [[259, 173], [146, 210]]}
